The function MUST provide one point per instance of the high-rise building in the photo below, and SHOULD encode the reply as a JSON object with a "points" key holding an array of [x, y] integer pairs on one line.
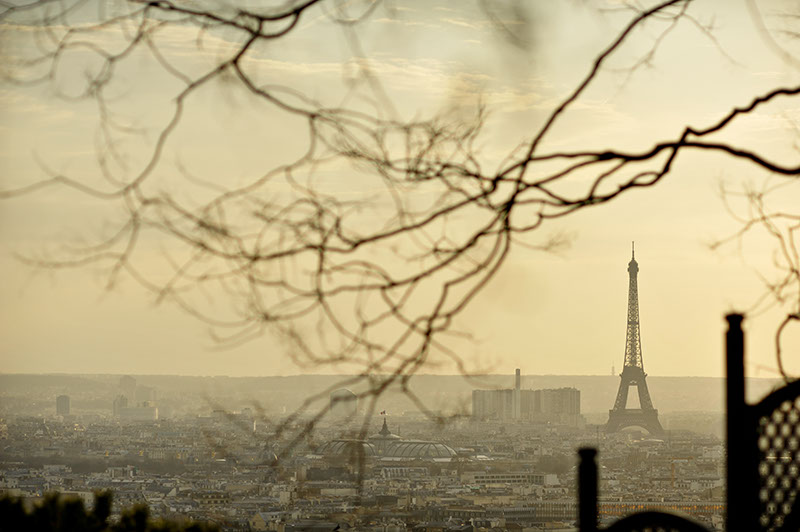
{"points": [[62, 405], [119, 403], [146, 393], [493, 405], [560, 406], [127, 386], [499, 404]]}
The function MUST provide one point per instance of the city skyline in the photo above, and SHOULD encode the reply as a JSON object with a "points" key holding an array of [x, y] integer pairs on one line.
{"points": [[400, 265]]}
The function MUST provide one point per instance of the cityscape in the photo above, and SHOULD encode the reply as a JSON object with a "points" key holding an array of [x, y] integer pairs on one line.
{"points": [[233, 459], [399, 265], [508, 465]]}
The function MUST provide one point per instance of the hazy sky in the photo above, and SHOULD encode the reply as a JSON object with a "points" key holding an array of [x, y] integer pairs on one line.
{"points": [[558, 313]]}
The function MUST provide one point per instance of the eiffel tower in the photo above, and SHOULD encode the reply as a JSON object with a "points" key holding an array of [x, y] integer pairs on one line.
{"points": [[633, 373]]}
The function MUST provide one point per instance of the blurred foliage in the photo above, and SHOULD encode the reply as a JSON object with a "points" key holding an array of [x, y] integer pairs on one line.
{"points": [[68, 514]]}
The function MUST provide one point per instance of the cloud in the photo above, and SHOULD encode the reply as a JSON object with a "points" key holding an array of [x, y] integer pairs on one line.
{"points": [[461, 22], [17, 102], [406, 23]]}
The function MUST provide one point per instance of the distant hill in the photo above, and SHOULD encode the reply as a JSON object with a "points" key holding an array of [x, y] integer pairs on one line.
{"points": [[598, 392], [450, 393], [15, 383]]}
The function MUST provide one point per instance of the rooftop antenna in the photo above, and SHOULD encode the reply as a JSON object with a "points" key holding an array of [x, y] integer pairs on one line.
{"points": [[633, 251]]}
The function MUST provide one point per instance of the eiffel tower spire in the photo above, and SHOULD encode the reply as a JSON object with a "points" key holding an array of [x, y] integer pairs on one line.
{"points": [[633, 341], [633, 369]]}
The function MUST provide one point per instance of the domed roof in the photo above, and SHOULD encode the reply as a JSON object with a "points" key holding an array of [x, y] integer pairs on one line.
{"points": [[385, 434], [346, 448], [411, 449]]}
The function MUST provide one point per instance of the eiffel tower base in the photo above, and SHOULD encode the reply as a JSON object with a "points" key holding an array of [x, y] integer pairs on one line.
{"points": [[630, 417]]}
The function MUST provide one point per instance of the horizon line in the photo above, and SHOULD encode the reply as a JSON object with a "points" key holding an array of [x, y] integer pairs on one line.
{"points": [[350, 375]]}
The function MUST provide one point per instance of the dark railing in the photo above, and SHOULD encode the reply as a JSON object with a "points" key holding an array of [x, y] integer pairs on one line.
{"points": [[762, 466], [775, 479], [587, 492]]}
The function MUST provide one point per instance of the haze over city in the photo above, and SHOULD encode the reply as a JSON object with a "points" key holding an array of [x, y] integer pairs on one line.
{"points": [[389, 265]]}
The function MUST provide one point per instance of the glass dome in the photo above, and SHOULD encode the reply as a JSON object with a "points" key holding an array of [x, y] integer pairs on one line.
{"points": [[419, 449], [346, 448]]}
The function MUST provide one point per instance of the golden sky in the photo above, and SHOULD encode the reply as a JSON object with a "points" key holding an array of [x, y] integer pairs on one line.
{"points": [[546, 313]]}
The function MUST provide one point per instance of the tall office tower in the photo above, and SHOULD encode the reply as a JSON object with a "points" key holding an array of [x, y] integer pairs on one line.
{"points": [[62, 405], [127, 386], [633, 374], [501, 405], [120, 403], [492, 405], [146, 393], [560, 401]]}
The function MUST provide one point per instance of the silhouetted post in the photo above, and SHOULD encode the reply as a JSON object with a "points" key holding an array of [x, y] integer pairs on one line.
{"points": [[738, 427], [587, 490]]}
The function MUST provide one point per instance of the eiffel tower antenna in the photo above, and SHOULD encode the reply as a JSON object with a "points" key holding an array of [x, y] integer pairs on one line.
{"points": [[633, 373]]}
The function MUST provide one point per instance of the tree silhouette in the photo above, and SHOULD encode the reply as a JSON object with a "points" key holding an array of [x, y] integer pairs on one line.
{"points": [[764, 212], [63, 514], [370, 275]]}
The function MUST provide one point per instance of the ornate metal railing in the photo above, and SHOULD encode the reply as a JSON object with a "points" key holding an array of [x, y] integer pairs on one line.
{"points": [[777, 442]]}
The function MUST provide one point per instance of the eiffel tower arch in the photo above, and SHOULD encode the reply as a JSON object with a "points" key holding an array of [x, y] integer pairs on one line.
{"points": [[633, 373]]}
